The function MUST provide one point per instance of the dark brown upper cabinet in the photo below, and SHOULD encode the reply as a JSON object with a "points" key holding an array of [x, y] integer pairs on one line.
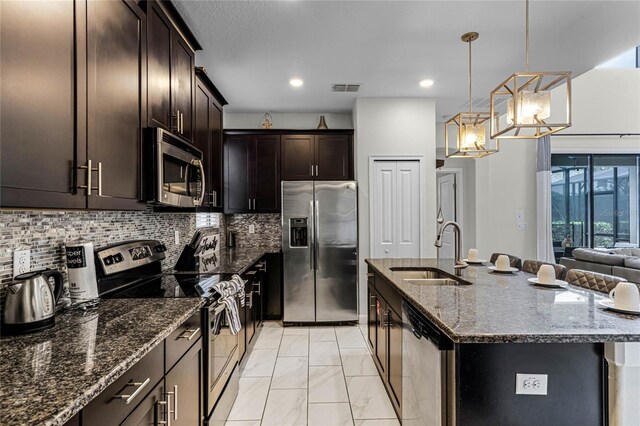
{"points": [[317, 157], [116, 112], [38, 100], [78, 117], [207, 137], [252, 173], [171, 70]]}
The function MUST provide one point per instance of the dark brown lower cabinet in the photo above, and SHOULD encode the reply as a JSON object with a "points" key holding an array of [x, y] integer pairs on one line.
{"points": [[184, 389], [385, 337]]}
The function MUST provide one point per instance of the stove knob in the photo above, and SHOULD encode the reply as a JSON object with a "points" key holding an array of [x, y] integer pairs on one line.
{"points": [[109, 260], [118, 258]]}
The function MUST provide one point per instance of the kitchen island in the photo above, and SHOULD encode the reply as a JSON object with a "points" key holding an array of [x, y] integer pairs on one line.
{"points": [[493, 327]]}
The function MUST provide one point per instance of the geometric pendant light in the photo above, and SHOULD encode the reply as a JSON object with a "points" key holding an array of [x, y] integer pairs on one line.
{"points": [[534, 109], [466, 133]]}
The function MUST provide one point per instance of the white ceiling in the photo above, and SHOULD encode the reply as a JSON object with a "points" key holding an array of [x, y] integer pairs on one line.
{"points": [[253, 48]]}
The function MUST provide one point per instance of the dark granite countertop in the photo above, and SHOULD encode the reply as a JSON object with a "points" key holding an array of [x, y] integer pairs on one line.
{"points": [[236, 260], [506, 308], [47, 377]]}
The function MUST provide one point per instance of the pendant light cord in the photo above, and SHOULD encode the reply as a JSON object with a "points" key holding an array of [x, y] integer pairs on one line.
{"points": [[470, 99], [526, 17]]}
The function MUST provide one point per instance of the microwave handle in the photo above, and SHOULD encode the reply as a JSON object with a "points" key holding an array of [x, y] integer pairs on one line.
{"points": [[202, 189]]}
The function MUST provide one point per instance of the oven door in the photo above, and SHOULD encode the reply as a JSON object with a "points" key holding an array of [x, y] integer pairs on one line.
{"points": [[180, 179], [221, 355]]}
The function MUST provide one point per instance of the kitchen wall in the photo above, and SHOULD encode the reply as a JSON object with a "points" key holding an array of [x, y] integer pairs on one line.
{"points": [[45, 233], [604, 101], [267, 232], [286, 120], [394, 127]]}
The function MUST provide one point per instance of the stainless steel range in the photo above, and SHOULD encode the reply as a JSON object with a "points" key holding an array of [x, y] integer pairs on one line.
{"points": [[133, 269]]}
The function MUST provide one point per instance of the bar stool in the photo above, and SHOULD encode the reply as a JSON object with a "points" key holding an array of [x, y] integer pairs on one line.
{"points": [[532, 267], [593, 280], [514, 261]]}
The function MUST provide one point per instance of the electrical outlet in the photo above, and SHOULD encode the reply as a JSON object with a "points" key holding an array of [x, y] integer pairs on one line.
{"points": [[531, 384], [177, 237], [519, 215], [252, 229], [522, 226], [21, 261]]}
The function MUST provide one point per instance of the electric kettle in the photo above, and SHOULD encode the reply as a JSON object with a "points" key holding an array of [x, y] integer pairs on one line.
{"points": [[30, 303]]}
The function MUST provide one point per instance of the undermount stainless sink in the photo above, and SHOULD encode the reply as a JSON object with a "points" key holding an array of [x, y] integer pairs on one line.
{"points": [[432, 281], [425, 276]]}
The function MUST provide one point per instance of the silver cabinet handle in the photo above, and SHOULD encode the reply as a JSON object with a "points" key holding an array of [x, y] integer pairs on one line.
{"points": [[254, 204], [370, 274], [199, 200], [372, 302], [173, 394], [186, 335], [165, 412], [99, 179], [249, 203], [316, 170], [89, 172], [214, 196], [257, 284], [181, 123], [312, 170], [130, 397]]}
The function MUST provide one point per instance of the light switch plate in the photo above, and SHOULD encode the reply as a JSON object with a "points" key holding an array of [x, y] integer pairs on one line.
{"points": [[21, 261], [522, 226], [519, 215], [531, 384]]}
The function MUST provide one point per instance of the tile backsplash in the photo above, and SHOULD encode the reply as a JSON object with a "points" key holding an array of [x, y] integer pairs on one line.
{"points": [[268, 229], [46, 232]]}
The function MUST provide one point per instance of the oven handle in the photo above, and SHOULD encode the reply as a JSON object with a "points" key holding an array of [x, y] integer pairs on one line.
{"points": [[199, 201]]}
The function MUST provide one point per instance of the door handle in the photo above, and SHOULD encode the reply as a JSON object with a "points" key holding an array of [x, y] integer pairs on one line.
{"points": [[198, 202], [372, 302], [317, 239], [312, 240]]}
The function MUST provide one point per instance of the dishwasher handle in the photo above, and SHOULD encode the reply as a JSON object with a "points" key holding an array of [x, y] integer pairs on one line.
{"points": [[422, 327]]}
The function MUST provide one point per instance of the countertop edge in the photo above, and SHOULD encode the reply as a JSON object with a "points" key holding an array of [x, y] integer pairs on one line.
{"points": [[505, 338], [91, 392]]}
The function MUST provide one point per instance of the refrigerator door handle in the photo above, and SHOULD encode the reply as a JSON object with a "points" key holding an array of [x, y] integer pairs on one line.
{"points": [[316, 216], [312, 243]]}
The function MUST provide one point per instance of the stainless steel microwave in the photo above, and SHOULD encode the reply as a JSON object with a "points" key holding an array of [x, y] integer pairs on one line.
{"points": [[173, 170]]}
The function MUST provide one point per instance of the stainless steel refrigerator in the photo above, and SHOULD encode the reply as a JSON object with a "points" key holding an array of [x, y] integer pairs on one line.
{"points": [[319, 243]]}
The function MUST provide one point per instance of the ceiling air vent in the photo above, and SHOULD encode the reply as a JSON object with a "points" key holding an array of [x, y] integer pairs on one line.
{"points": [[345, 88]]}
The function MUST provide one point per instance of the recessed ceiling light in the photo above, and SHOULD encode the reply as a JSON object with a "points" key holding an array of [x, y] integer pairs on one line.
{"points": [[296, 82], [426, 83]]}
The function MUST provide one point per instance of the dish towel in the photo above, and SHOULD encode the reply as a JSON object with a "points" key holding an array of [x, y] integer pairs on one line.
{"points": [[229, 292]]}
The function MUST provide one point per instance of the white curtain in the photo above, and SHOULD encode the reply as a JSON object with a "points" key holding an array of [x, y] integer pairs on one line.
{"points": [[543, 183]]}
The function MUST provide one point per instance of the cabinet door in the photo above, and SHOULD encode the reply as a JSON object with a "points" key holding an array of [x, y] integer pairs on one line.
{"points": [[115, 58], [333, 157], [267, 174], [182, 84], [236, 166], [202, 136], [216, 180], [381, 335], [242, 335], [394, 329], [297, 157], [158, 67], [37, 97], [185, 381], [371, 317], [250, 318]]}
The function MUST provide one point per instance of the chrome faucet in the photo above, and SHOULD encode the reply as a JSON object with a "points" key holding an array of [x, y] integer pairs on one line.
{"points": [[459, 264]]}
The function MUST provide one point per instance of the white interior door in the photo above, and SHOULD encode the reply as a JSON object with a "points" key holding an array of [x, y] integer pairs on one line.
{"points": [[447, 203], [395, 203]]}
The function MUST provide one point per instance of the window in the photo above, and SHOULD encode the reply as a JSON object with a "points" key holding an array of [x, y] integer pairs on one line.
{"points": [[629, 59], [595, 200]]}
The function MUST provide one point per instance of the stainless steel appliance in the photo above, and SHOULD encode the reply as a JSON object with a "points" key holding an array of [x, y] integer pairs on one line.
{"points": [[132, 269], [427, 372], [319, 243], [30, 303], [173, 170]]}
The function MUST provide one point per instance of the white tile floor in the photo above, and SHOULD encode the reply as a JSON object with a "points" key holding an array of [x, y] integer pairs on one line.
{"points": [[317, 376]]}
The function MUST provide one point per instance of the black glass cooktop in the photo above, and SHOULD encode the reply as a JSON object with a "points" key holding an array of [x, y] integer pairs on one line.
{"points": [[168, 286]]}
